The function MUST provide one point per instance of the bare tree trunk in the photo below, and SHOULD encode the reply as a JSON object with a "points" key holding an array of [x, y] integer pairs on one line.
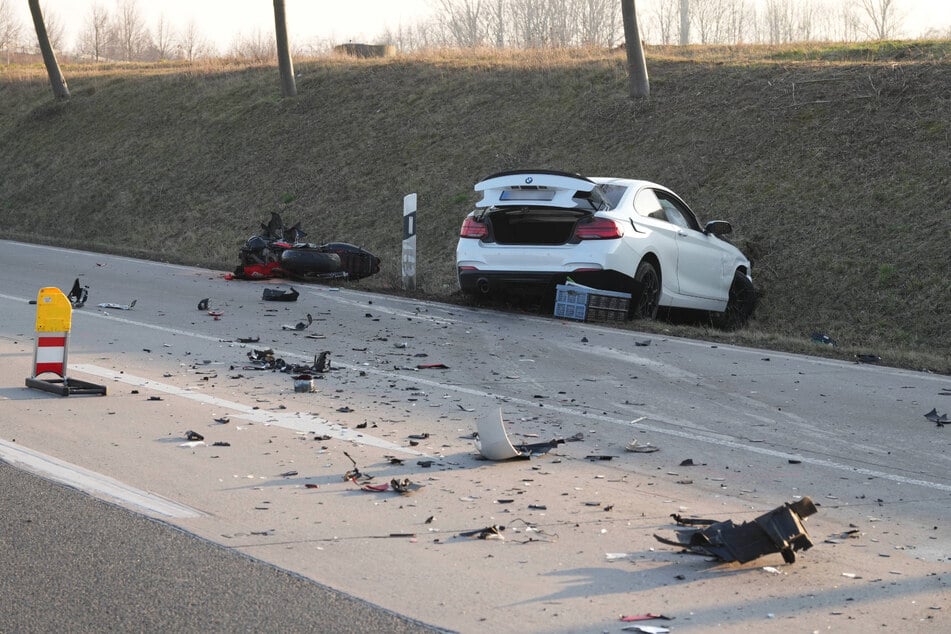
{"points": [[57, 81], [684, 22], [288, 84], [636, 66]]}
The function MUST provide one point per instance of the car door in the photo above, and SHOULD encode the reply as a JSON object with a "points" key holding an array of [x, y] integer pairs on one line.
{"points": [[701, 257]]}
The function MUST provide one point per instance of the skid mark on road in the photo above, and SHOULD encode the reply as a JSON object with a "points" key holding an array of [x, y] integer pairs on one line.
{"points": [[95, 484]]}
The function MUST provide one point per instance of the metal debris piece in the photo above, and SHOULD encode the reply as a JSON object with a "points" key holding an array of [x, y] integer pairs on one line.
{"points": [[288, 474], [203, 304], [221, 443], [249, 339], [278, 295], [128, 306], [780, 530], [193, 435]]}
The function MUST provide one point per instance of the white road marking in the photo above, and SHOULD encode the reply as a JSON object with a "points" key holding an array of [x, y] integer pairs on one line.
{"points": [[689, 435], [297, 421], [95, 484]]}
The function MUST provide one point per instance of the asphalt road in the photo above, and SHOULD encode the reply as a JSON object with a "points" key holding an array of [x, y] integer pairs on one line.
{"points": [[72, 563], [774, 426]]}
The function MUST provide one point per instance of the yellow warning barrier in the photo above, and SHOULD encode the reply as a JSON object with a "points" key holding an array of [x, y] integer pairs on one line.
{"points": [[54, 317]]}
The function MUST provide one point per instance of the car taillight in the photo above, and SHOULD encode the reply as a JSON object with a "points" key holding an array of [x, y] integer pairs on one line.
{"points": [[597, 229], [472, 228]]}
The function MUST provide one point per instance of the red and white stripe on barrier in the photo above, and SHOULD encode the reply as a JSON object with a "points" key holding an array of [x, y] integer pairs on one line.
{"points": [[50, 353]]}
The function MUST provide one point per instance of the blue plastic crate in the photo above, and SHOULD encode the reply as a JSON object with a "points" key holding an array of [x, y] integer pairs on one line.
{"points": [[583, 303]]}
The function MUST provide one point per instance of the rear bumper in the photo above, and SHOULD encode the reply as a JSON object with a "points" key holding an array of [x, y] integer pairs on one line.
{"points": [[476, 282]]}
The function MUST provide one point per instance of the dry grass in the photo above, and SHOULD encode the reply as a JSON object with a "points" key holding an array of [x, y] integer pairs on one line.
{"points": [[832, 167]]}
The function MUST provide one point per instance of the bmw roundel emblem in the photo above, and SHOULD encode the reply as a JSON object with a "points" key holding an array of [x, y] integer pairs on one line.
{"points": [[528, 181]]}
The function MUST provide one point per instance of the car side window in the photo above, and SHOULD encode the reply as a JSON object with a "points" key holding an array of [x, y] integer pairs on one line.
{"points": [[646, 204], [676, 212]]}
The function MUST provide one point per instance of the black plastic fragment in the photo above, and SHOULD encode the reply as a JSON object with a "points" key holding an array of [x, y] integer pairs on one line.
{"points": [[193, 435], [278, 295], [778, 531]]}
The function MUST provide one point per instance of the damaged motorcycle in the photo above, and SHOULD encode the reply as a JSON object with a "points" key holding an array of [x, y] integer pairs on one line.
{"points": [[280, 251]]}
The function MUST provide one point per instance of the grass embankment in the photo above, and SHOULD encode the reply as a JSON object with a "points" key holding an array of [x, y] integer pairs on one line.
{"points": [[831, 162]]}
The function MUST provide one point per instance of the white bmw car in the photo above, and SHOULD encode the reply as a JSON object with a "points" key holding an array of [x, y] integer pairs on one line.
{"points": [[538, 228]]}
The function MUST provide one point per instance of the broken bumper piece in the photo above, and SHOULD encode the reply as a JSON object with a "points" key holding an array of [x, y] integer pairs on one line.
{"points": [[779, 531]]}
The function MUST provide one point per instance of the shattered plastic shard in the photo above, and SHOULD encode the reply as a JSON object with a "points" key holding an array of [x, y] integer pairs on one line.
{"points": [[493, 441], [203, 304], [78, 295], [939, 419]]}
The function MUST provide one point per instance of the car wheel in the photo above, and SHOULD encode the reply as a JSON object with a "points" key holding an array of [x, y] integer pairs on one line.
{"points": [[740, 306], [648, 296]]}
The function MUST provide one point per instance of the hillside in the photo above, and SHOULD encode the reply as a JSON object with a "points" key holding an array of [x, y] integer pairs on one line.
{"points": [[832, 164]]}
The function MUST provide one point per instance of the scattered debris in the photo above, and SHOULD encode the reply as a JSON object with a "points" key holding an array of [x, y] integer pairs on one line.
{"points": [[645, 617], [636, 447], [868, 358], [646, 629], [939, 419], [642, 343], [598, 457], [288, 474], [489, 532], [299, 325], [354, 475], [278, 295], [203, 304], [304, 383], [193, 435], [780, 530], [221, 443], [128, 306], [432, 366], [78, 295], [249, 339]]}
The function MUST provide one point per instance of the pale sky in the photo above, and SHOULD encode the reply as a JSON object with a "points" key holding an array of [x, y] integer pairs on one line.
{"points": [[344, 20]]}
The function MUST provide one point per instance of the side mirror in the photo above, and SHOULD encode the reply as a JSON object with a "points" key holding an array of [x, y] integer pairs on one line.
{"points": [[718, 227]]}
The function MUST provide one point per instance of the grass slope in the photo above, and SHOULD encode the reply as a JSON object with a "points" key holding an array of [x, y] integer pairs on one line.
{"points": [[832, 163]]}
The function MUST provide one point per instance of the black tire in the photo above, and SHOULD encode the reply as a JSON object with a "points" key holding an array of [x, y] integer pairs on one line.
{"points": [[740, 306], [309, 261], [358, 263], [647, 284]]}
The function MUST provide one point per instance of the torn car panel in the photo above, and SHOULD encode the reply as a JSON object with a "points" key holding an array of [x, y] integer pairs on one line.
{"points": [[778, 531]]}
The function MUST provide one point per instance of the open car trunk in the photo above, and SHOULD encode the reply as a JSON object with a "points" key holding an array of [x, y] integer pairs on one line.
{"points": [[532, 225]]}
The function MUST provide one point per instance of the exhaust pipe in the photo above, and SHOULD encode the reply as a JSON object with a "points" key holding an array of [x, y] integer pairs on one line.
{"points": [[483, 285]]}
